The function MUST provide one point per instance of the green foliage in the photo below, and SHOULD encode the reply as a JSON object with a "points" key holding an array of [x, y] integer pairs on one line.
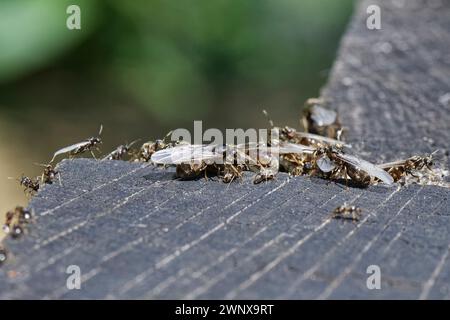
{"points": [[176, 57], [33, 33]]}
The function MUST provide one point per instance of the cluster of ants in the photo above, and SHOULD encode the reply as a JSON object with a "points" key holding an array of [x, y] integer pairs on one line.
{"points": [[15, 224], [319, 150]]}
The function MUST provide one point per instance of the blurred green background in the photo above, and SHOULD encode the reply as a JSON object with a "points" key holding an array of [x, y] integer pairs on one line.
{"points": [[142, 68]]}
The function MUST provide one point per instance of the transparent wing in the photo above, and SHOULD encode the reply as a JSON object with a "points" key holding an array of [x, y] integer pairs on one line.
{"points": [[283, 148], [251, 152], [368, 167], [392, 164], [249, 146], [69, 149], [321, 138], [322, 116], [287, 147], [246, 153], [109, 155], [325, 164], [187, 154]]}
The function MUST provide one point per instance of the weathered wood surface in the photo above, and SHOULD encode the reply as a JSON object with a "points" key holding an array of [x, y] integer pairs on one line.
{"points": [[137, 233]]}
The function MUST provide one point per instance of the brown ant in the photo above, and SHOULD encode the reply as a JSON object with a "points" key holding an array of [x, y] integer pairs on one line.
{"points": [[399, 169], [81, 147], [15, 221], [31, 185], [229, 172], [333, 163], [49, 174], [120, 152], [347, 213], [149, 148], [289, 134]]}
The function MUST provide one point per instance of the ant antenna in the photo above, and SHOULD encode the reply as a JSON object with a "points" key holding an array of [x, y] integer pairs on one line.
{"points": [[132, 143], [101, 130], [266, 114], [17, 179], [167, 135], [40, 164]]}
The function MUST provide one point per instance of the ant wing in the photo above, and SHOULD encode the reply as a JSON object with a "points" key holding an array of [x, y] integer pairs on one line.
{"points": [[287, 147], [322, 116], [186, 154], [109, 155], [282, 148], [389, 165], [244, 153], [69, 149], [320, 138], [325, 164], [253, 151], [366, 166]]}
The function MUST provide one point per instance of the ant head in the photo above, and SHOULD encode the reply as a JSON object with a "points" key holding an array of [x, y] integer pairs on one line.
{"points": [[159, 144], [320, 151], [96, 140], [429, 159], [288, 132], [3, 255], [26, 215], [10, 214], [17, 231], [326, 149]]}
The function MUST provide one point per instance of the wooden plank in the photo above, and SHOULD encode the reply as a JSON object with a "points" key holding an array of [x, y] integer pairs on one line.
{"points": [[135, 232]]}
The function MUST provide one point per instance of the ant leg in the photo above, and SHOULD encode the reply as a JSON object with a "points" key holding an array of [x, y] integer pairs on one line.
{"points": [[236, 173], [93, 155], [60, 179], [332, 176], [229, 183], [411, 173], [346, 178]]}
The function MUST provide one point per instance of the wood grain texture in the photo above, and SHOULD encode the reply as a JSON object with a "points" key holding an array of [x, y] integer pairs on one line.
{"points": [[135, 232]]}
